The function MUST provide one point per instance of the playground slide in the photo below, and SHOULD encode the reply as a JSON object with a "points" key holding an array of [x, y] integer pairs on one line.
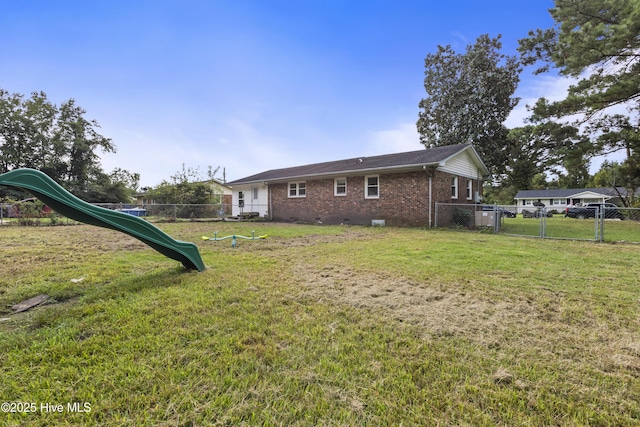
{"points": [[60, 200]]}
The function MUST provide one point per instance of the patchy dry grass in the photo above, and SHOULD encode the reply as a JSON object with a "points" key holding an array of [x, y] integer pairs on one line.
{"points": [[321, 326]]}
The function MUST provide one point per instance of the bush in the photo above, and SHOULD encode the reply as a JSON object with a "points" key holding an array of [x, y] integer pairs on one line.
{"points": [[462, 217]]}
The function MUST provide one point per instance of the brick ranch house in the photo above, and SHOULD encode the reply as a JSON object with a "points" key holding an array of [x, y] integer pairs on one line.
{"points": [[400, 189]]}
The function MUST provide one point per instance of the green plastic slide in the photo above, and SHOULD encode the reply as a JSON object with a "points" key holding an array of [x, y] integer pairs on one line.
{"points": [[65, 203]]}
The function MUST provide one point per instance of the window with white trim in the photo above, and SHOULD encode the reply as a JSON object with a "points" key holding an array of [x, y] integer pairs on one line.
{"points": [[371, 187], [255, 193], [298, 189], [454, 187], [340, 187], [469, 189]]}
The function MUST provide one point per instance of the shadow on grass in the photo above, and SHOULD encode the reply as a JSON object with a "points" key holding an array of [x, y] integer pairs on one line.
{"points": [[138, 283], [66, 302]]}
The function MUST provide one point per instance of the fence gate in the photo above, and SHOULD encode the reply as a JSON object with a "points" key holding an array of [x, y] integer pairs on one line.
{"points": [[547, 223], [600, 224]]}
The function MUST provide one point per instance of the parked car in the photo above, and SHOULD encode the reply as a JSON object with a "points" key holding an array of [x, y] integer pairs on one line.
{"points": [[589, 210]]}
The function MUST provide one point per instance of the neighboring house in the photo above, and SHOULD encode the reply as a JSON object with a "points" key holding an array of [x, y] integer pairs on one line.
{"points": [[399, 189], [221, 194], [559, 199]]}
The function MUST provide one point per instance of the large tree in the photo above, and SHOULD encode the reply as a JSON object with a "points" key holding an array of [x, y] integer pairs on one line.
{"points": [[597, 43], [469, 96], [59, 141]]}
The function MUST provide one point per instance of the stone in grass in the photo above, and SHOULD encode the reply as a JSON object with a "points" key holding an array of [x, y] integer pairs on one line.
{"points": [[30, 303]]}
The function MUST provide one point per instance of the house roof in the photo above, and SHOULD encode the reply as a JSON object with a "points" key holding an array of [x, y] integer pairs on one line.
{"points": [[388, 162], [566, 193]]}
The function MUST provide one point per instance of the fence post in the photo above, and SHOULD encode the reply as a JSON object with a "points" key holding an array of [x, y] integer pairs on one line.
{"points": [[542, 216], [600, 218]]}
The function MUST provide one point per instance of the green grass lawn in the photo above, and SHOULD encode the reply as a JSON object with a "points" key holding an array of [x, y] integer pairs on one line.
{"points": [[570, 228], [319, 325]]}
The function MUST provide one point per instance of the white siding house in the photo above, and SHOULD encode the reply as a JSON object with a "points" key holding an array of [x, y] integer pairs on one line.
{"points": [[559, 199], [250, 198]]}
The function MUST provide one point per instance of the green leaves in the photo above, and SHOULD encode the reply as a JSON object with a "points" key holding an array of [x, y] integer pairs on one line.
{"points": [[598, 44], [59, 141], [469, 96]]}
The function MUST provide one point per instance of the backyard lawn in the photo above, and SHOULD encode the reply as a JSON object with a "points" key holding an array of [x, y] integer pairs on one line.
{"points": [[560, 227], [318, 325]]}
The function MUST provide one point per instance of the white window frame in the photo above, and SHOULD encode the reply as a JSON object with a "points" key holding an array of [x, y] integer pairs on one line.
{"points": [[299, 189], [454, 187], [254, 191], [469, 189], [336, 186], [367, 186]]}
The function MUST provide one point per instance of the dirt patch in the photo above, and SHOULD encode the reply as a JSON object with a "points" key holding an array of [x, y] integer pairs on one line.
{"points": [[60, 246], [282, 244], [441, 310], [494, 321]]}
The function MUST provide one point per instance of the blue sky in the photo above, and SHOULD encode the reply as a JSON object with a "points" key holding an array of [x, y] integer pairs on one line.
{"points": [[250, 85]]}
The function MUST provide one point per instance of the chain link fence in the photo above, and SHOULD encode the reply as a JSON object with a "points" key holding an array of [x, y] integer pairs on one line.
{"points": [[595, 223], [471, 216], [35, 213], [173, 212]]}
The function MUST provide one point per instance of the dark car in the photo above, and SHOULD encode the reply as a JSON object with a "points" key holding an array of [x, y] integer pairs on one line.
{"points": [[589, 210]]}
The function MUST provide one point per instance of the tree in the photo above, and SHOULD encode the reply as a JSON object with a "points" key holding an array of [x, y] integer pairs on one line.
{"points": [[118, 186], [613, 174], [469, 96], [597, 43], [186, 186], [61, 142], [81, 140], [536, 149]]}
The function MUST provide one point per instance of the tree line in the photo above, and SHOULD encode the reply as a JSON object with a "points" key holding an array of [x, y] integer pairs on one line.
{"points": [[470, 95], [61, 142]]}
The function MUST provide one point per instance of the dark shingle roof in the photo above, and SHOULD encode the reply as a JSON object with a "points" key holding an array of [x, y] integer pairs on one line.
{"points": [[359, 164]]}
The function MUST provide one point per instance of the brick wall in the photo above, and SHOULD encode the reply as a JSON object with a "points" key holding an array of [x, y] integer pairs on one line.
{"points": [[403, 201]]}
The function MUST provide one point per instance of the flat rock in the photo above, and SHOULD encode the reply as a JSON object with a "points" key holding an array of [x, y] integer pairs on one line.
{"points": [[30, 303]]}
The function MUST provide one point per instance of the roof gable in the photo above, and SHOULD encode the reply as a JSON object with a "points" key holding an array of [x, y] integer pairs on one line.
{"points": [[388, 162]]}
